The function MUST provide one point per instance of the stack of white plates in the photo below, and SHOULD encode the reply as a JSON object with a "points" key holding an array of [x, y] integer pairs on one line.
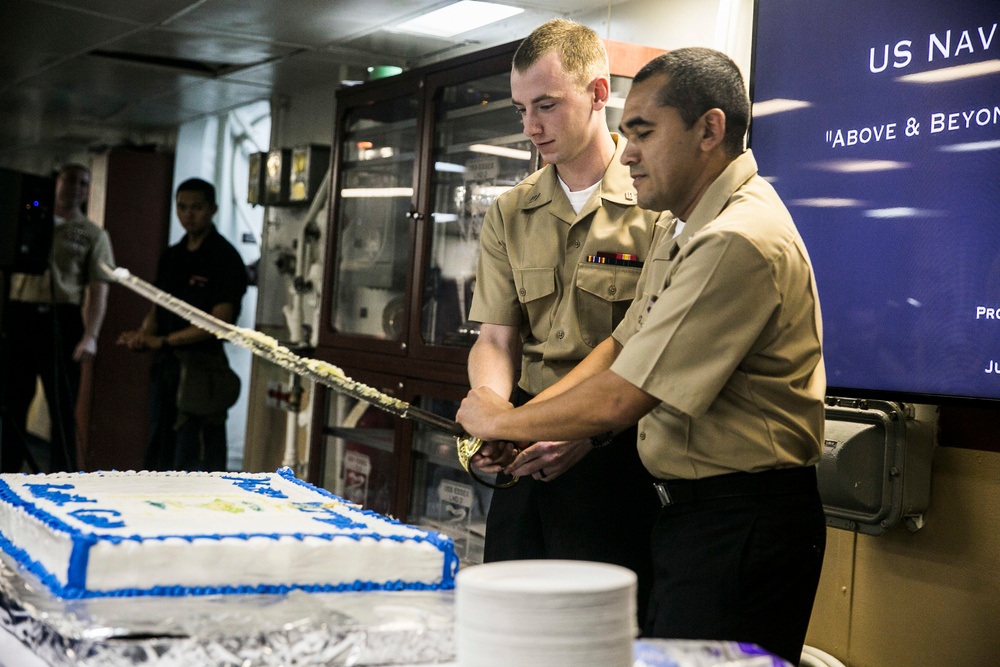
{"points": [[545, 613]]}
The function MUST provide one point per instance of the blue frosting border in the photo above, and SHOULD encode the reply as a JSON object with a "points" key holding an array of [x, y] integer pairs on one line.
{"points": [[443, 543], [82, 542]]}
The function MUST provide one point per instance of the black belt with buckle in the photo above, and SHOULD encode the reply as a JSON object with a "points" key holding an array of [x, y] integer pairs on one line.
{"points": [[776, 482]]}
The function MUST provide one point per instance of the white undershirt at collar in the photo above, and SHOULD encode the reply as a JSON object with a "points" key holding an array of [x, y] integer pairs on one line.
{"points": [[579, 198]]}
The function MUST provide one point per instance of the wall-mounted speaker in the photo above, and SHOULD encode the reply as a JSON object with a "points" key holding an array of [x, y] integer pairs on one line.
{"points": [[26, 205]]}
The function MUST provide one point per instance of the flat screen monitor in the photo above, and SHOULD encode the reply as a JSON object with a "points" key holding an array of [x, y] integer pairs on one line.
{"points": [[878, 123]]}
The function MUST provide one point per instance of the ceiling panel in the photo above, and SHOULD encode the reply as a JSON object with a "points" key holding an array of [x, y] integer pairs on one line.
{"points": [[141, 12], [91, 77], [395, 47], [34, 35], [304, 71], [57, 98], [310, 23], [204, 46], [195, 97]]}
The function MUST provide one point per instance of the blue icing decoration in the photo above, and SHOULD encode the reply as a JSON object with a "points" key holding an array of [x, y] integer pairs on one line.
{"points": [[76, 576], [330, 515], [53, 493], [442, 542], [75, 588], [339, 521], [98, 518], [254, 485]]}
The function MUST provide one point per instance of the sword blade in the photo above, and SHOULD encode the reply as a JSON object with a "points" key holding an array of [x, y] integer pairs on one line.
{"points": [[268, 348]]}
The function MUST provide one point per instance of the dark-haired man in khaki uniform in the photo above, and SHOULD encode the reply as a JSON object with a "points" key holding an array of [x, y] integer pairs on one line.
{"points": [[561, 254], [719, 359]]}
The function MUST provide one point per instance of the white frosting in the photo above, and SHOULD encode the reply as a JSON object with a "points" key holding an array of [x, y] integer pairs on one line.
{"points": [[215, 530]]}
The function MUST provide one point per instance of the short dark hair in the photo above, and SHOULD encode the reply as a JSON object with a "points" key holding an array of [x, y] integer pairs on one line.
{"points": [[580, 50], [699, 79], [198, 185]]}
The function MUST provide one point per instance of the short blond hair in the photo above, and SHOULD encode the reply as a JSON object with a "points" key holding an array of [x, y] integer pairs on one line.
{"points": [[580, 50]]}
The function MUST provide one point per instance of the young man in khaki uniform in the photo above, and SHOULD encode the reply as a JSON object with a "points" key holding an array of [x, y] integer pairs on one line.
{"points": [[53, 322], [561, 254], [718, 359]]}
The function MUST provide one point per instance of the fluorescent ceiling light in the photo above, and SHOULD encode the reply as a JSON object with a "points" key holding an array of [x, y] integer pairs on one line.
{"points": [[501, 151], [778, 105], [953, 73], [457, 18], [376, 192]]}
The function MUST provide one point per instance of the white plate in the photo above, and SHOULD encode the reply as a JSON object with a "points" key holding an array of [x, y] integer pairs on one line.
{"points": [[541, 577]]}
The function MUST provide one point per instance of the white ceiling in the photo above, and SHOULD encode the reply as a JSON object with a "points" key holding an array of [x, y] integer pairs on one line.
{"points": [[78, 75]]}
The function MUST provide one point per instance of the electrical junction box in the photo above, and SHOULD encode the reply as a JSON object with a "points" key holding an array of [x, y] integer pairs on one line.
{"points": [[256, 172], [276, 176], [876, 466], [310, 165], [26, 209]]}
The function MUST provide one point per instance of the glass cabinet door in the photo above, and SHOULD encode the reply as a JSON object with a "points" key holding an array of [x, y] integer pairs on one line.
{"points": [[479, 152], [358, 460], [376, 171], [444, 497]]}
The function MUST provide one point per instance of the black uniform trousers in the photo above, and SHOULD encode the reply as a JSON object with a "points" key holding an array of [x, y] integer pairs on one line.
{"points": [[738, 558], [180, 441], [602, 509], [40, 339]]}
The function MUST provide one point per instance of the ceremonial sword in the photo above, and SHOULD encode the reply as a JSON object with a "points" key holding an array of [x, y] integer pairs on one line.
{"points": [[325, 373]]}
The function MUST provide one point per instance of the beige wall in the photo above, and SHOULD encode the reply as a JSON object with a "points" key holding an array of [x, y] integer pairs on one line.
{"points": [[929, 598]]}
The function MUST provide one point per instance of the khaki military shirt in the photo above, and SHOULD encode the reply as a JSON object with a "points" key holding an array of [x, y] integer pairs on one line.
{"points": [[726, 332], [78, 248], [534, 271]]}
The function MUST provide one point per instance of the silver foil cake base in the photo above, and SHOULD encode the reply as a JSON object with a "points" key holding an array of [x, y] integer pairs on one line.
{"points": [[406, 628], [296, 629]]}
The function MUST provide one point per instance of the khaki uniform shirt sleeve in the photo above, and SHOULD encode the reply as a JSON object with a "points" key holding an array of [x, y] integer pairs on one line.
{"points": [[693, 339]]}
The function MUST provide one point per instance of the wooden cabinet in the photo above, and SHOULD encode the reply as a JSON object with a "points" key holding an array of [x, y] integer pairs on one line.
{"points": [[130, 197], [418, 158]]}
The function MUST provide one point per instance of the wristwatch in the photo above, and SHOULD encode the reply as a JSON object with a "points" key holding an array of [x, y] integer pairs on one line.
{"points": [[602, 439]]}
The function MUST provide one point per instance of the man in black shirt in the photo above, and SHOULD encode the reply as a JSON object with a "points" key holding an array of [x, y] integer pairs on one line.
{"points": [[192, 385]]}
